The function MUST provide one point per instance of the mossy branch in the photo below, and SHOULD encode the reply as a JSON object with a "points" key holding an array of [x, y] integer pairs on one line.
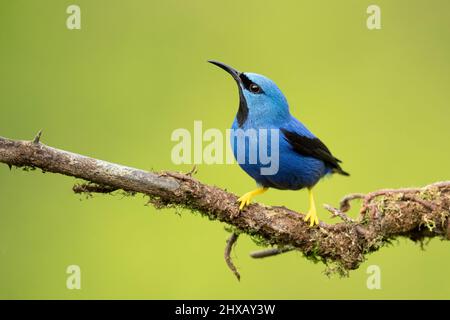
{"points": [[385, 214]]}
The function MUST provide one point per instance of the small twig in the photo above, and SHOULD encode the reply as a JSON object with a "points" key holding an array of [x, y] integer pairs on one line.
{"points": [[345, 202], [424, 203], [269, 252], [180, 175], [389, 192], [337, 213], [230, 242], [385, 192], [344, 205], [37, 137], [177, 175], [193, 171]]}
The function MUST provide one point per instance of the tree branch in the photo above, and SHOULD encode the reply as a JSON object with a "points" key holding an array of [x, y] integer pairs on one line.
{"points": [[385, 214]]}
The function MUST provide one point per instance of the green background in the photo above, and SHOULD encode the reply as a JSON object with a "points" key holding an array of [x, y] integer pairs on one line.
{"points": [[117, 88]]}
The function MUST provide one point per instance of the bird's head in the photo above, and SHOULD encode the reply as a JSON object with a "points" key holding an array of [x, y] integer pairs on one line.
{"points": [[260, 99]]}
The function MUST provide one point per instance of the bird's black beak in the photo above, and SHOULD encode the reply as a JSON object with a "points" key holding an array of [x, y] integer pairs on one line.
{"points": [[243, 108], [233, 72]]}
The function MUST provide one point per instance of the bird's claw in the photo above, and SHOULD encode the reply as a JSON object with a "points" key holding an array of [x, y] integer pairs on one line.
{"points": [[312, 218], [244, 201], [247, 198]]}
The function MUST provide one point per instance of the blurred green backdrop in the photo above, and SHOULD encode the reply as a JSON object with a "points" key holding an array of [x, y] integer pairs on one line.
{"points": [[117, 88]]}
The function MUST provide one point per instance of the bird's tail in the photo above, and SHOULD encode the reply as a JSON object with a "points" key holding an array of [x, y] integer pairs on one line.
{"points": [[339, 170]]}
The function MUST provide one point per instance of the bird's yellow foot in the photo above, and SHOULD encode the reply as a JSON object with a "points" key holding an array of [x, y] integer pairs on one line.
{"points": [[244, 200], [312, 217], [247, 198], [312, 212]]}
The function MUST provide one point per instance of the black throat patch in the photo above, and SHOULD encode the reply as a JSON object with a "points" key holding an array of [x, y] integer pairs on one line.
{"points": [[242, 113]]}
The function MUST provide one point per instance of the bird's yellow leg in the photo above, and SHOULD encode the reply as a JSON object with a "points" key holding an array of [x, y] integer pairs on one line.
{"points": [[312, 212], [246, 198]]}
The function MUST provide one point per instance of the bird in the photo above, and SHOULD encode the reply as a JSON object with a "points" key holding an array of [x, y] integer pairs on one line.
{"points": [[303, 158]]}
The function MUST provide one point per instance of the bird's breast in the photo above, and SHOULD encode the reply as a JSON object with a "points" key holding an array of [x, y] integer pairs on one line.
{"points": [[265, 155]]}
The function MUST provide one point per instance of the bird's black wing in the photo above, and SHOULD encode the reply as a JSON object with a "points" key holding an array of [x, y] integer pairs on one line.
{"points": [[313, 147]]}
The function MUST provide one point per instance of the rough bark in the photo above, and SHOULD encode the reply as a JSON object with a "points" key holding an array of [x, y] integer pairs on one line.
{"points": [[415, 213]]}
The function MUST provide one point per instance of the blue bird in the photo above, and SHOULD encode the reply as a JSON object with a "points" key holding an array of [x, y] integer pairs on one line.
{"points": [[302, 158]]}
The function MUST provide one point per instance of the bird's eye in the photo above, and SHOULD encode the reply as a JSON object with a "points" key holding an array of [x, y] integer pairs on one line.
{"points": [[255, 88]]}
